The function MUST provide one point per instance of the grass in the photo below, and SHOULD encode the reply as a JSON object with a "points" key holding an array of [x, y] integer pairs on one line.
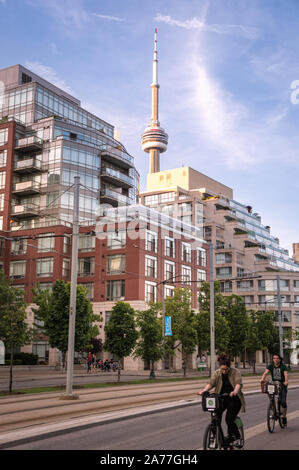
{"points": [[96, 385]]}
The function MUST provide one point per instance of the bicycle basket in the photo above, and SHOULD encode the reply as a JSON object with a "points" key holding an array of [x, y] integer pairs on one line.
{"points": [[271, 389], [210, 402]]}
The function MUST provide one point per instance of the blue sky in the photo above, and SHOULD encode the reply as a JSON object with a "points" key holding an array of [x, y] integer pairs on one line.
{"points": [[225, 73]]}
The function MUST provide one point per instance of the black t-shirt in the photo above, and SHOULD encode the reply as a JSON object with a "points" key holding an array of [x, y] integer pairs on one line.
{"points": [[226, 385], [277, 372]]}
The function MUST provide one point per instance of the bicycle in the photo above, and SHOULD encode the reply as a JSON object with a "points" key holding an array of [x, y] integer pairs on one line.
{"points": [[214, 437], [273, 389]]}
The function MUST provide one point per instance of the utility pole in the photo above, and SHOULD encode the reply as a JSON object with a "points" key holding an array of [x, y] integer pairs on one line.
{"points": [[212, 313], [73, 295], [279, 317]]}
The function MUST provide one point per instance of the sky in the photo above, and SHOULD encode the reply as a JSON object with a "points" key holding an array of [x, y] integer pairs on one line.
{"points": [[228, 75]]}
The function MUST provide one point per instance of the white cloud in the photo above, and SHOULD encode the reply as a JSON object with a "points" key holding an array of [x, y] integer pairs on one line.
{"points": [[201, 25], [107, 17], [49, 74]]}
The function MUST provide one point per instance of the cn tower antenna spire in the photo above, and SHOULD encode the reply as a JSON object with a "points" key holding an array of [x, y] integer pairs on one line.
{"points": [[154, 138]]}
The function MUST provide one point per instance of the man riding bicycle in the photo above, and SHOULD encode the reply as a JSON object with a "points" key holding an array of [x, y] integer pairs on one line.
{"points": [[226, 379], [279, 374]]}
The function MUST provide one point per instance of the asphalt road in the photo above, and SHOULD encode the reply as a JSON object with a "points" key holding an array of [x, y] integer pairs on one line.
{"points": [[179, 429]]}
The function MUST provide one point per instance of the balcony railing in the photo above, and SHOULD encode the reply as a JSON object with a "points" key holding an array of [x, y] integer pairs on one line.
{"points": [[109, 194], [26, 187], [28, 165], [123, 179], [25, 210], [29, 144]]}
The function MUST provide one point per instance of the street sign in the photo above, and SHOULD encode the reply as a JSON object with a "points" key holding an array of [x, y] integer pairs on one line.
{"points": [[167, 326]]}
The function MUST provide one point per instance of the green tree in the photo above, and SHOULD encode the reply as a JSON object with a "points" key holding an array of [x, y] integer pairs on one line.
{"points": [[222, 330], [253, 342], [14, 331], [184, 332], [53, 310], [121, 334], [150, 344], [236, 315]]}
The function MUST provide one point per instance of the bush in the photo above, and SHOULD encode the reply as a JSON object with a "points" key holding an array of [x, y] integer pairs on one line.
{"points": [[27, 359], [16, 362]]}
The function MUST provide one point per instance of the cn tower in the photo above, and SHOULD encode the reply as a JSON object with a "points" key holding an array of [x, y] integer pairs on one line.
{"points": [[154, 138]]}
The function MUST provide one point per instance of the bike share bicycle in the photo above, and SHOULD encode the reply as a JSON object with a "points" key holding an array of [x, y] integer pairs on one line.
{"points": [[274, 413], [214, 437]]}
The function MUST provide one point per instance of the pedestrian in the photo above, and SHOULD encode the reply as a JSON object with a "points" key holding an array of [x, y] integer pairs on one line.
{"points": [[93, 362], [89, 357]]}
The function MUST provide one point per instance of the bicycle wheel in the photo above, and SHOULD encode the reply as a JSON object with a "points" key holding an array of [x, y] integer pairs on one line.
{"points": [[210, 438], [271, 415]]}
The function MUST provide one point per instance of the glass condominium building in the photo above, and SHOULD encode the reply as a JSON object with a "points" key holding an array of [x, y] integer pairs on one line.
{"points": [[46, 139]]}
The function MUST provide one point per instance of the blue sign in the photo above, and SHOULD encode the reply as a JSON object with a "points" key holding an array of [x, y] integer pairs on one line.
{"points": [[167, 325]]}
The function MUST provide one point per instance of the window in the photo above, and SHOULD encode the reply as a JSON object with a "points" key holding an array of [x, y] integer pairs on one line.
{"points": [[17, 269], [267, 285], [18, 247], [248, 299], [169, 272], [3, 157], [150, 266], [86, 266], [296, 285], [66, 267], [222, 258], [107, 317], [226, 286], [284, 284], [116, 240], [87, 242], [245, 285], [115, 290], [1, 222], [45, 242], [89, 286], [201, 257], [67, 244], [201, 276], [3, 136], [165, 197], [150, 200], [168, 291], [223, 272], [151, 243], [186, 252], [116, 264], [2, 202], [150, 292], [2, 179], [169, 247], [296, 299], [186, 274], [44, 267]]}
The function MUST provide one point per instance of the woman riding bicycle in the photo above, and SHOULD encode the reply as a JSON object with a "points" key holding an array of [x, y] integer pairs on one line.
{"points": [[228, 380], [279, 373]]}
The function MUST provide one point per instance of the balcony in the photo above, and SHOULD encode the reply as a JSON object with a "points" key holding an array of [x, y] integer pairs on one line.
{"points": [[114, 198], [116, 177], [29, 165], [118, 157], [25, 188], [24, 211], [29, 144]]}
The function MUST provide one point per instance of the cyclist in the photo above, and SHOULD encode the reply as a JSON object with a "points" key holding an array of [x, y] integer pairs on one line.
{"points": [[226, 379], [279, 373]]}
